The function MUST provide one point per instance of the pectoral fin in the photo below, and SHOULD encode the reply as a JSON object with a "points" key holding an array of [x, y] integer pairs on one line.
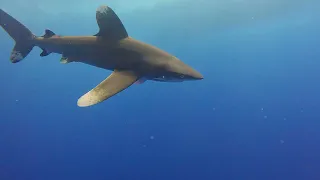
{"points": [[115, 83]]}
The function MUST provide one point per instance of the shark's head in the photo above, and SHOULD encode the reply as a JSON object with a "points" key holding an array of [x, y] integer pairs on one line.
{"points": [[177, 71]]}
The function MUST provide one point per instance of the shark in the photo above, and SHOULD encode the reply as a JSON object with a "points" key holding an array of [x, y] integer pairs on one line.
{"points": [[130, 60]]}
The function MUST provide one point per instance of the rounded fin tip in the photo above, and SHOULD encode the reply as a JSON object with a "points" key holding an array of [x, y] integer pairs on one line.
{"points": [[103, 9], [87, 100], [16, 56]]}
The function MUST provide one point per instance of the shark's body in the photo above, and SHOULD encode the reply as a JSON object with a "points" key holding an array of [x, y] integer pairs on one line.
{"points": [[110, 49]]}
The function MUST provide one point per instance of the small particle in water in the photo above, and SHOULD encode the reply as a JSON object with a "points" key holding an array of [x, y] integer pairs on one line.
{"points": [[261, 109], [151, 137], [282, 141], [144, 146], [17, 100], [284, 119], [214, 109], [252, 17], [301, 110], [265, 117]]}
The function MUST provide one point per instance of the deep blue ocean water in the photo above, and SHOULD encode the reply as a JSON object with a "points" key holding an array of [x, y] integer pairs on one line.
{"points": [[254, 116]]}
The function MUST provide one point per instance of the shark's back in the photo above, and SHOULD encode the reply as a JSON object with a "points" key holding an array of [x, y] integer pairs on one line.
{"points": [[146, 54]]}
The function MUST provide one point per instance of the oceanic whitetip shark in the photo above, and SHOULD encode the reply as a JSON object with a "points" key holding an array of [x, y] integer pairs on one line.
{"points": [[111, 48]]}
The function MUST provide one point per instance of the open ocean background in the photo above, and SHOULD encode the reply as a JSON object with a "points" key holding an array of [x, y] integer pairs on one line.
{"points": [[254, 116]]}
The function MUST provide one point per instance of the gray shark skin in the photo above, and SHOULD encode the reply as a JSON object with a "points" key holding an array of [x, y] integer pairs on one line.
{"points": [[111, 48]]}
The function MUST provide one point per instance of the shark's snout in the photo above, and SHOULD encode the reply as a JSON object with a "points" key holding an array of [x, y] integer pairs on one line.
{"points": [[195, 75], [189, 72], [183, 70]]}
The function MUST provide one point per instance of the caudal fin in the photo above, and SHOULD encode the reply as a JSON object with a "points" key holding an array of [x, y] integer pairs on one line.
{"points": [[22, 36]]}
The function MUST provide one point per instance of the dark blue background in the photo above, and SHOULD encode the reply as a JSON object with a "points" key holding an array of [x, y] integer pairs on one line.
{"points": [[255, 116]]}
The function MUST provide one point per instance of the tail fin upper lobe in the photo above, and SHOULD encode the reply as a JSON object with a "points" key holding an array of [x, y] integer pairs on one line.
{"points": [[22, 36]]}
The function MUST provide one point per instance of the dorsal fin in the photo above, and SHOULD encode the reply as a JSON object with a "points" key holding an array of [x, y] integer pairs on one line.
{"points": [[48, 34], [110, 25]]}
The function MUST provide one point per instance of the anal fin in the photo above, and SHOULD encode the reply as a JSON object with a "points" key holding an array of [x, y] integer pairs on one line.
{"points": [[64, 60], [115, 83], [44, 53]]}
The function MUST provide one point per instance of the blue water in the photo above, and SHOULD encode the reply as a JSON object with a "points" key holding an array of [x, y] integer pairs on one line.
{"points": [[254, 116]]}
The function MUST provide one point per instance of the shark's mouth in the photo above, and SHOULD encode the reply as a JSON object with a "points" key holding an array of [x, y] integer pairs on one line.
{"points": [[167, 79]]}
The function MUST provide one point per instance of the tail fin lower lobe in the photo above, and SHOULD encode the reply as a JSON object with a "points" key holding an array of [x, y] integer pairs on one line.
{"points": [[23, 36]]}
